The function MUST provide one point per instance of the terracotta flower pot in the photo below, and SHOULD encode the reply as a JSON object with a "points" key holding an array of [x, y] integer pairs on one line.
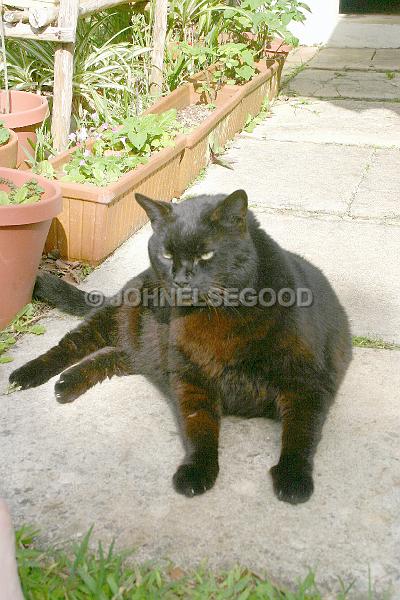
{"points": [[9, 151], [23, 232], [28, 111]]}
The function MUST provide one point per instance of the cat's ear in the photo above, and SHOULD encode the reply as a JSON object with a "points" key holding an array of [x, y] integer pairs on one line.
{"points": [[231, 211], [158, 212]]}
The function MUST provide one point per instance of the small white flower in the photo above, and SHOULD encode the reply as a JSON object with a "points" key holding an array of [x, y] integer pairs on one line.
{"points": [[123, 140], [72, 137], [82, 163], [95, 117], [82, 135], [104, 126], [86, 152]]}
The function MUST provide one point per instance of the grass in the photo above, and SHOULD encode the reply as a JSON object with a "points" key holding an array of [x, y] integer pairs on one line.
{"points": [[24, 322], [79, 573], [365, 342], [390, 74], [264, 113]]}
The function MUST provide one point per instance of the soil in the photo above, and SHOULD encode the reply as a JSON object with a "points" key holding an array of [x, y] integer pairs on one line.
{"points": [[71, 271], [193, 115]]}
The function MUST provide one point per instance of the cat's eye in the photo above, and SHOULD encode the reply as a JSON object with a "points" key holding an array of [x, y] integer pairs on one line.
{"points": [[167, 255], [207, 255]]}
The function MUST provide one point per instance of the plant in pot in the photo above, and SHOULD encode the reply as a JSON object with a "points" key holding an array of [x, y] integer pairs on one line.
{"points": [[8, 147], [27, 205]]}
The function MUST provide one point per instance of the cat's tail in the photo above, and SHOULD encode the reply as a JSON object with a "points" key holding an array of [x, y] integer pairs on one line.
{"points": [[63, 295]]}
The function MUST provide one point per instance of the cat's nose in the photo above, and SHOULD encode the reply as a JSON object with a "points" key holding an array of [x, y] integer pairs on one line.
{"points": [[182, 277], [181, 280]]}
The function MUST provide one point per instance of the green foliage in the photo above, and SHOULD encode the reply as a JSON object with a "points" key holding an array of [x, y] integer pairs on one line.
{"points": [[264, 113], [365, 342], [108, 67], [45, 169], [263, 19], [23, 322], [235, 64], [4, 134], [28, 193], [120, 149]]}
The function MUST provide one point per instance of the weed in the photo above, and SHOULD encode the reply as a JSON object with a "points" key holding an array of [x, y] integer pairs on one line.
{"points": [[365, 342], [24, 322]]}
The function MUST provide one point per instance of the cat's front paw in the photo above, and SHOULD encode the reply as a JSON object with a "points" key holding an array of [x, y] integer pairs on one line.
{"points": [[293, 483], [30, 375], [193, 478]]}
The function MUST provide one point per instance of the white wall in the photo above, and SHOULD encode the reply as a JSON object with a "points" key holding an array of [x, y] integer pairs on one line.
{"points": [[325, 26], [320, 24]]}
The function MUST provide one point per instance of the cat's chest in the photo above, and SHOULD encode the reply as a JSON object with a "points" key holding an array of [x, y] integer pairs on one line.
{"points": [[213, 341]]}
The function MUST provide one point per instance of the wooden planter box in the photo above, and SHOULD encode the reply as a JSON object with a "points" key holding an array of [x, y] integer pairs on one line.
{"points": [[219, 127], [234, 105], [96, 220]]}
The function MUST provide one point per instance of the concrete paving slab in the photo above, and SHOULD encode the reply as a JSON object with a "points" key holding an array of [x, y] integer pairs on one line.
{"points": [[351, 122], [345, 84], [302, 176], [108, 459], [301, 55], [337, 59], [365, 31], [298, 57], [379, 193], [387, 60], [360, 259]]}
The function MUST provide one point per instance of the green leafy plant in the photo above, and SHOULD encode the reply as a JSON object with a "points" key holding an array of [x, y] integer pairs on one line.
{"points": [[23, 322], [93, 166], [4, 134], [109, 69], [118, 150], [45, 169], [28, 193], [257, 22], [234, 64]]}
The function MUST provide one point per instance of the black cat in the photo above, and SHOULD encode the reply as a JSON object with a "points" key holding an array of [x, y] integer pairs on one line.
{"points": [[253, 357]]}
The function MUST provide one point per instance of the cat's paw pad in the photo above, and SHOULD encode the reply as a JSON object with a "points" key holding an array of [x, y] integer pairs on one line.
{"points": [[68, 388], [193, 479], [292, 485], [29, 375]]}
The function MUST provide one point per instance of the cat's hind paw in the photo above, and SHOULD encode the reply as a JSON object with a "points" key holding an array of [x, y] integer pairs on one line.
{"points": [[69, 387], [292, 485], [193, 479]]}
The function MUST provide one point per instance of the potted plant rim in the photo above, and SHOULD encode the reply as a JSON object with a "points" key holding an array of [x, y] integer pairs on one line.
{"points": [[23, 112], [28, 203], [8, 147]]}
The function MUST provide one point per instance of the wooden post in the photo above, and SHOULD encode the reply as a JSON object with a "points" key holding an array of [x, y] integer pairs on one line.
{"points": [[159, 36], [63, 73]]}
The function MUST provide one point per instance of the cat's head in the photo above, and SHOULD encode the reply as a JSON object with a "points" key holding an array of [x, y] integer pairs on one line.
{"points": [[202, 243]]}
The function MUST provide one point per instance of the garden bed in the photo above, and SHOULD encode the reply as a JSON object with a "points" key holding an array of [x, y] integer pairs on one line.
{"points": [[96, 220], [234, 105]]}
